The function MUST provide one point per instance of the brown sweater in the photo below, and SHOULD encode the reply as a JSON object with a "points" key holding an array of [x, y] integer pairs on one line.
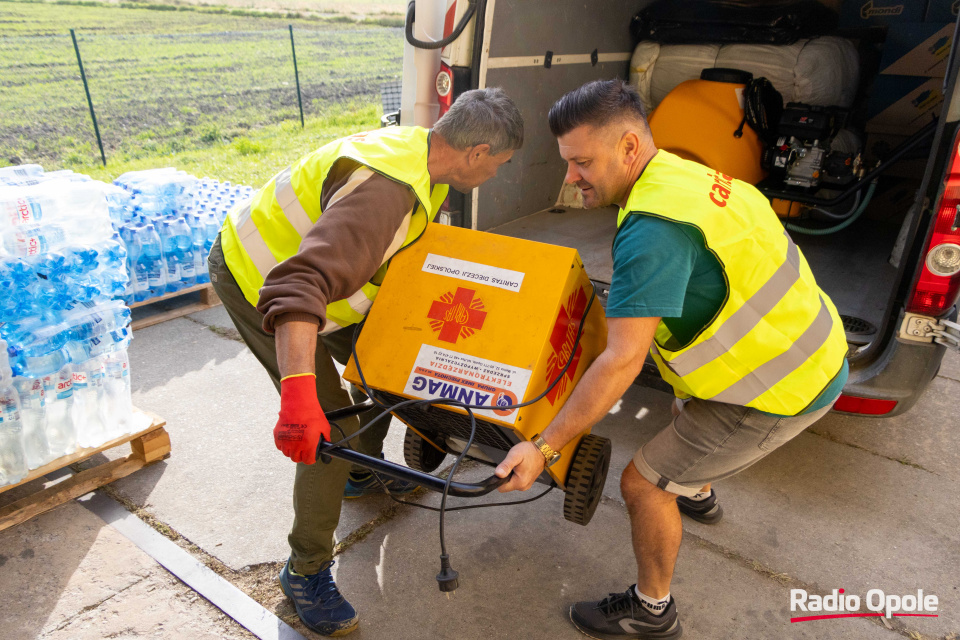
{"points": [[362, 216]]}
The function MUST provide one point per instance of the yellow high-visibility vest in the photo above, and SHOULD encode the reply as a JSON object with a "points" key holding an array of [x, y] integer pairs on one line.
{"points": [[777, 340], [268, 229]]}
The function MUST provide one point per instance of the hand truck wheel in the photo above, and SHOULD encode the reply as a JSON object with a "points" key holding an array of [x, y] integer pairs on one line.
{"points": [[420, 454], [588, 473]]}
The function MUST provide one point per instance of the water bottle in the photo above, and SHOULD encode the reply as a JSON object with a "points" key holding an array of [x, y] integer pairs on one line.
{"points": [[35, 346], [23, 209], [21, 171], [110, 254], [20, 272], [13, 461], [196, 226], [127, 239], [211, 229], [188, 259], [33, 239], [111, 275], [54, 294], [139, 276], [98, 321], [171, 255], [118, 405], [151, 257], [87, 400], [34, 415], [131, 179], [61, 431]]}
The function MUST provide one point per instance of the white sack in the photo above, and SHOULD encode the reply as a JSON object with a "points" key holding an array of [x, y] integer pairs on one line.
{"points": [[776, 63], [641, 70], [678, 63], [822, 71], [827, 72]]}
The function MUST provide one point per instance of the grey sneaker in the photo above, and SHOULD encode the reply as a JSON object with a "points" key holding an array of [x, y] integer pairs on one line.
{"points": [[706, 511], [620, 616]]}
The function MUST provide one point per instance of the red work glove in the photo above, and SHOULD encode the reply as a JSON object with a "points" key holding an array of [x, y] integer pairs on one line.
{"points": [[301, 421]]}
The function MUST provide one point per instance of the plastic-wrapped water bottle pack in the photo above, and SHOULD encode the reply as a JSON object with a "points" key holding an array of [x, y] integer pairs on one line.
{"points": [[64, 370], [168, 221]]}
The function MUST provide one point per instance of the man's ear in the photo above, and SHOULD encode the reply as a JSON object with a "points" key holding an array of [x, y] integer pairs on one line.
{"points": [[477, 152], [630, 146]]}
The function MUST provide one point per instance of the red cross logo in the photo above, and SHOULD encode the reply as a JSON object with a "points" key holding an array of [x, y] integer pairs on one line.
{"points": [[562, 339], [457, 315]]}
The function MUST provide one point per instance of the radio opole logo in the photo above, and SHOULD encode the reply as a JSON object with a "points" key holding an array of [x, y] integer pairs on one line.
{"points": [[840, 604]]}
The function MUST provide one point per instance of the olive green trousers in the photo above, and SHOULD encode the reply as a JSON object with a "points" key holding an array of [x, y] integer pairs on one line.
{"points": [[317, 488]]}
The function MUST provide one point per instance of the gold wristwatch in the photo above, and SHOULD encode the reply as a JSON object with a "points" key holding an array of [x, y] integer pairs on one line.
{"points": [[547, 451]]}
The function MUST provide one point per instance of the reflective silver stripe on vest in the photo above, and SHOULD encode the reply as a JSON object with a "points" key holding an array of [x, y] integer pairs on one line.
{"points": [[330, 326], [288, 201], [743, 320], [360, 303], [770, 373], [253, 243]]}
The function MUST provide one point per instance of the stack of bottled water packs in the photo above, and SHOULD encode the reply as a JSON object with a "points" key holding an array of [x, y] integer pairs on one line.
{"points": [[64, 370], [168, 221]]}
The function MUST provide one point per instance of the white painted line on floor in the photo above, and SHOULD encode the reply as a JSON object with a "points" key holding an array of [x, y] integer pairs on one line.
{"points": [[220, 592]]}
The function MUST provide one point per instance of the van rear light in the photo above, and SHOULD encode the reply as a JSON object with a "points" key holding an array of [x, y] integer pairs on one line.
{"points": [[944, 259], [864, 406], [938, 286], [444, 88]]}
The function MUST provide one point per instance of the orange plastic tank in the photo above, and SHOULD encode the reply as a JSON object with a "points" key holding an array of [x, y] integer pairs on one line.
{"points": [[697, 120]]}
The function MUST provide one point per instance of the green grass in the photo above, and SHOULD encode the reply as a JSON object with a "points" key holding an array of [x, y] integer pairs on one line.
{"points": [[276, 146], [165, 83]]}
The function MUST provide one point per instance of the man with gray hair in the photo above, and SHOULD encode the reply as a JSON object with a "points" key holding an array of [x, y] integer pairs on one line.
{"points": [[303, 260]]}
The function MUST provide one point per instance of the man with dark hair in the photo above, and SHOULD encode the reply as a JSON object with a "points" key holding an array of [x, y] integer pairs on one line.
{"points": [[704, 272], [303, 260]]}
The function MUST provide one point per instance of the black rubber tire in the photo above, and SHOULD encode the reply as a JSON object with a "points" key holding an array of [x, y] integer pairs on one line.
{"points": [[420, 454], [588, 473]]}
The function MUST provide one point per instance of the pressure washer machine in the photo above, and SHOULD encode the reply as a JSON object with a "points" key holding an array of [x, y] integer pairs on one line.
{"points": [[475, 342]]}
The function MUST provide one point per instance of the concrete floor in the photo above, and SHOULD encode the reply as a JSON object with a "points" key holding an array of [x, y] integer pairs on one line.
{"points": [[852, 503]]}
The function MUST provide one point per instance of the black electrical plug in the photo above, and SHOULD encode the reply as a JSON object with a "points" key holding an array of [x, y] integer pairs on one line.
{"points": [[448, 577]]}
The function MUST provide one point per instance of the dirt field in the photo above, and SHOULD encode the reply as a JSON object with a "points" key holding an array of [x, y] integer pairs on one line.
{"points": [[357, 8]]}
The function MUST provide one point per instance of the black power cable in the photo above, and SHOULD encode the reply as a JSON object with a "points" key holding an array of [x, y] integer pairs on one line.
{"points": [[448, 578], [439, 44], [762, 108]]}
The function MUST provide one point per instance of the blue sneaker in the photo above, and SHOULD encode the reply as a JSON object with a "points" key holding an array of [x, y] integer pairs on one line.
{"points": [[369, 485], [318, 601]]}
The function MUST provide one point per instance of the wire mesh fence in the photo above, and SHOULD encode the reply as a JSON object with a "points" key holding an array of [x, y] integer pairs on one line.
{"points": [[157, 93]]}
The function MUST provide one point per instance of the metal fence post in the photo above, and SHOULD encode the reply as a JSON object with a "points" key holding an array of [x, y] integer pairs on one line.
{"points": [[86, 88], [296, 74]]}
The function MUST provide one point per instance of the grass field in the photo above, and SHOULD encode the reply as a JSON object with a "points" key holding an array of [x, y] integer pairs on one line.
{"points": [[182, 86]]}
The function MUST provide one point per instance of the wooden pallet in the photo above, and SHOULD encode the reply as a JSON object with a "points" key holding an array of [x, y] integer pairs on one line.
{"points": [[149, 445], [208, 299]]}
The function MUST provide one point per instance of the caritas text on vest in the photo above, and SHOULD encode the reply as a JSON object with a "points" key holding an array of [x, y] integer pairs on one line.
{"points": [[720, 191]]}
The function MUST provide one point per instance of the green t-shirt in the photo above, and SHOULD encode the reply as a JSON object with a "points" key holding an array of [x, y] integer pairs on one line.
{"points": [[663, 268]]}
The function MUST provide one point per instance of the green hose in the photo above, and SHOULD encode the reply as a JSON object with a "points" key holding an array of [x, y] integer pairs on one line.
{"points": [[837, 227]]}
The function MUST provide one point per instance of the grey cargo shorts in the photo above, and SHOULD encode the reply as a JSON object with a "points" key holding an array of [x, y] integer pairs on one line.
{"points": [[710, 441]]}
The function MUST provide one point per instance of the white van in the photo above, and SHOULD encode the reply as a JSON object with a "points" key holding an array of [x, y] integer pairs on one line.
{"points": [[893, 271]]}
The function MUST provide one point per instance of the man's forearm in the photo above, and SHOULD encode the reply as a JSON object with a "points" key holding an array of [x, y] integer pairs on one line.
{"points": [[601, 386], [296, 347]]}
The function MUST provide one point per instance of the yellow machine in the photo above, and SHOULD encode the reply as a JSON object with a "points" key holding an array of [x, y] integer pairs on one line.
{"points": [[486, 320], [697, 121]]}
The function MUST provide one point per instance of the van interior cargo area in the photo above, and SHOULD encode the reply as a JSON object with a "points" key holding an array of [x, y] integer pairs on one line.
{"points": [[852, 267], [818, 151]]}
